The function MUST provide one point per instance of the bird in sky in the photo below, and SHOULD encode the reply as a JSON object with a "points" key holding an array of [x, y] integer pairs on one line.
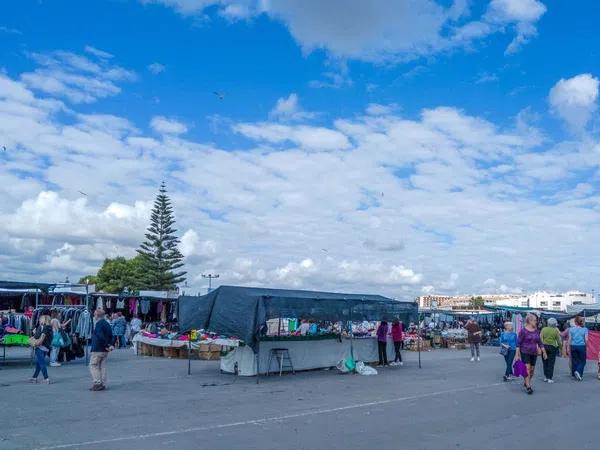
{"points": [[324, 250], [82, 193], [3, 148], [220, 95]]}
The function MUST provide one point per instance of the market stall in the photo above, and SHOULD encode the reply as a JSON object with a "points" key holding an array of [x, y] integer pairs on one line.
{"points": [[242, 313], [16, 307]]}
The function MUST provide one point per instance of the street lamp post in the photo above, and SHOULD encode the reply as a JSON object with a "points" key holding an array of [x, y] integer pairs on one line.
{"points": [[210, 277]]}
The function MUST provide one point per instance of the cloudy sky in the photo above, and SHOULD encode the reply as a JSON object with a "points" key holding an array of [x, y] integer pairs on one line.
{"points": [[395, 147]]}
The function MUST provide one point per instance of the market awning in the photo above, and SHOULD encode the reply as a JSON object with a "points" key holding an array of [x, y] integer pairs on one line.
{"points": [[20, 285], [241, 311]]}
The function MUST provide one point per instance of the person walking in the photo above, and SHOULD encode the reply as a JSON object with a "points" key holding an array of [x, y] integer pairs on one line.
{"points": [[41, 342], [397, 337], [119, 325], [508, 340], [474, 338], [102, 339], [551, 339], [578, 338], [382, 332], [57, 342], [529, 346], [135, 327]]}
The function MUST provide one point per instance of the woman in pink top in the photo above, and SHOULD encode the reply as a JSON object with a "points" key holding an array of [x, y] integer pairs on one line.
{"points": [[397, 336]]}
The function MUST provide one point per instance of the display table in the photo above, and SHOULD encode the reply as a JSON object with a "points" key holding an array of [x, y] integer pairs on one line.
{"points": [[305, 354], [206, 349]]}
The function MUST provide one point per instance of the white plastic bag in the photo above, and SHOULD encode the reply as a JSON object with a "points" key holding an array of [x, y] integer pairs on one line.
{"points": [[363, 369]]}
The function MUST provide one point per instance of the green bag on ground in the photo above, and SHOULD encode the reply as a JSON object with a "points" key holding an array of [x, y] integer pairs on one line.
{"points": [[350, 363]]}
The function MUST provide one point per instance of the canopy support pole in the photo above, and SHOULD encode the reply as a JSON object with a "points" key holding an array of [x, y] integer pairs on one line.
{"points": [[190, 353], [419, 337], [257, 357]]}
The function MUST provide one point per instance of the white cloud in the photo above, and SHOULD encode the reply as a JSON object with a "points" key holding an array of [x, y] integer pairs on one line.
{"points": [[165, 125], [523, 13], [376, 109], [575, 99], [306, 137], [486, 77], [97, 52], [156, 68], [288, 108], [76, 77], [379, 30], [8, 30]]}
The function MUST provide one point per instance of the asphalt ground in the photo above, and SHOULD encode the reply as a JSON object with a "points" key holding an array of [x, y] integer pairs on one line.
{"points": [[151, 403]]}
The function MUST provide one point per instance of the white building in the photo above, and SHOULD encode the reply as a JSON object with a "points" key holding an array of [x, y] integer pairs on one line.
{"points": [[549, 300], [538, 300]]}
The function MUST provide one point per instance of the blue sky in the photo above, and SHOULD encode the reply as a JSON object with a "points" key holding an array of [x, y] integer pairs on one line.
{"points": [[453, 106]]}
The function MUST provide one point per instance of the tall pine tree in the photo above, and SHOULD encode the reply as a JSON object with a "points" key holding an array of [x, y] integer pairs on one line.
{"points": [[160, 256]]}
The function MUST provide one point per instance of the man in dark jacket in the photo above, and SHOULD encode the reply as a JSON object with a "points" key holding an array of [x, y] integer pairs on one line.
{"points": [[102, 339]]}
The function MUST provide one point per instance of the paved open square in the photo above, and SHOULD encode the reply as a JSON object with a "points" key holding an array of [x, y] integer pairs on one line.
{"points": [[450, 403]]}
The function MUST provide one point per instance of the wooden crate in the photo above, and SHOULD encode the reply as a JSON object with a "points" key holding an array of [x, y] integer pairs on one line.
{"points": [[213, 356], [214, 348], [171, 352], [157, 351], [145, 349], [204, 347]]}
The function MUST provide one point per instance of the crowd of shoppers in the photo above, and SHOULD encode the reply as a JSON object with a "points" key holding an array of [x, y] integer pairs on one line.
{"points": [[549, 343]]}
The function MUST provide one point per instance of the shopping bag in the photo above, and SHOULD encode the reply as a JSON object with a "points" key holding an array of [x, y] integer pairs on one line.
{"points": [[520, 369]]}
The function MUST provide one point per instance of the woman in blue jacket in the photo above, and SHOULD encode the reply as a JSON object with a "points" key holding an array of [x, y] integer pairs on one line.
{"points": [[508, 339]]}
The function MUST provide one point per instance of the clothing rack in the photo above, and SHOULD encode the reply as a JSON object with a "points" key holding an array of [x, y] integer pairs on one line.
{"points": [[73, 333]]}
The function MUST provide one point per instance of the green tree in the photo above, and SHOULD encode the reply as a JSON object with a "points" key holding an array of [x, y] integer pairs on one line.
{"points": [[160, 256], [88, 279], [477, 302], [116, 274]]}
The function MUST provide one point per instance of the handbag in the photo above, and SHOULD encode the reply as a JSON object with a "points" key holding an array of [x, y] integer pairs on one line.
{"points": [[504, 349], [520, 369], [57, 340], [66, 339]]}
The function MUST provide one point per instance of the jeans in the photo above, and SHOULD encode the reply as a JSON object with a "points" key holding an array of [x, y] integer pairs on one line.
{"points": [[40, 364], [98, 367], [549, 362], [578, 357], [474, 349], [382, 347], [508, 359], [397, 346], [54, 354]]}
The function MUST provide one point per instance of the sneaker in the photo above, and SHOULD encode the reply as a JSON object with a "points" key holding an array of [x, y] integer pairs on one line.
{"points": [[46, 381], [102, 387], [505, 378], [33, 380], [478, 359], [529, 390], [96, 387], [545, 380], [550, 381], [401, 363], [578, 376], [55, 364], [472, 359]]}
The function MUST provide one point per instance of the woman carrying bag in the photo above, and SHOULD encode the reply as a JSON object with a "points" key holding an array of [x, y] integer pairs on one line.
{"points": [[529, 346], [41, 343]]}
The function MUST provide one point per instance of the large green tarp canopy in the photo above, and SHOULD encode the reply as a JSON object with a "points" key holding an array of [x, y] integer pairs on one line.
{"points": [[242, 311]]}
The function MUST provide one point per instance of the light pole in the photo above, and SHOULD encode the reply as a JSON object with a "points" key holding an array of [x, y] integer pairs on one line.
{"points": [[210, 277]]}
